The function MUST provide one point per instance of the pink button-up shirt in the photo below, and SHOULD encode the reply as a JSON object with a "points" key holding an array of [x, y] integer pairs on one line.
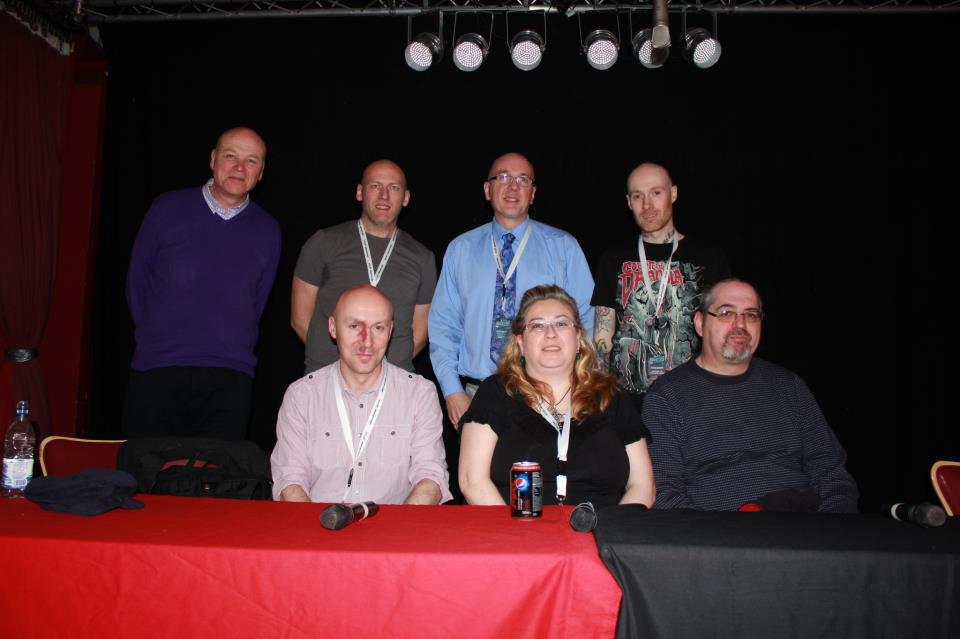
{"points": [[405, 445]]}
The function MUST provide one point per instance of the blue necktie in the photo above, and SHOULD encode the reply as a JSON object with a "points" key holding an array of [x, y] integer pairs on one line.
{"points": [[504, 299]]}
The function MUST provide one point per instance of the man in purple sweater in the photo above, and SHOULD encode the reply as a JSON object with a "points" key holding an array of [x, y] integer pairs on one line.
{"points": [[200, 273]]}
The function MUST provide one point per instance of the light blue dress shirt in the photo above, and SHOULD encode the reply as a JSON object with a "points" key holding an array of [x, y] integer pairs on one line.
{"points": [[461, 315]]}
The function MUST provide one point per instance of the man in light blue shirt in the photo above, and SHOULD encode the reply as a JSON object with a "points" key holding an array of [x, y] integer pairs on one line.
{"points": [[485, 273]]}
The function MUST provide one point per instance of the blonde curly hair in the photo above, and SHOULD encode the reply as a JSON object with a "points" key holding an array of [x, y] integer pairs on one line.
{"points": [[592, 389]]}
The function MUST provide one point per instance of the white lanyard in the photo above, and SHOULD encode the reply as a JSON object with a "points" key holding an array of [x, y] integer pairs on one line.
{"points": [[664, 279], [375, 277], [516, 256], [563, 445], [345, 424]]}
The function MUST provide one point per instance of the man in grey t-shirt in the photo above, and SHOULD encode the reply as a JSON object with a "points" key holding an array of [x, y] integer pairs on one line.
{"points": [[371, 250]]}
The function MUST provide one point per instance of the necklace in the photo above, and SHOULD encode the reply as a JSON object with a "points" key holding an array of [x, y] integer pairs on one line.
{"points": [[557, 415]]}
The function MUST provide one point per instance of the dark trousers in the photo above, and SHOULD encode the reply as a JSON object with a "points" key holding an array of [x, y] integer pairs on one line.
{"points": [[198, 401]]}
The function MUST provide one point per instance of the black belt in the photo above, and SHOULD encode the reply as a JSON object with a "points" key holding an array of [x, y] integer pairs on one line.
{"points": [[469, 380]]}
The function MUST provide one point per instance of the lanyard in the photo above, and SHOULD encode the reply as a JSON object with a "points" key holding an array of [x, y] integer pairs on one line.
{"points": [[516, 257], [664, 279], [375, 277], [345, 424], [563, 445]]}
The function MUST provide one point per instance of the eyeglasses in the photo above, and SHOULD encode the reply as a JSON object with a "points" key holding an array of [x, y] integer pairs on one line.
{"points": [[727, 315], [523, 181], [560, 325]]}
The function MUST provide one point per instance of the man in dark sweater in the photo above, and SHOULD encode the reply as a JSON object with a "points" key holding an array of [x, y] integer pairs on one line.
{"points": [[200, 273], [729, 429]]}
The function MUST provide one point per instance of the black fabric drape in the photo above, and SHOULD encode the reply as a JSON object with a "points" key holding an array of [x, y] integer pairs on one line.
{"points": [[724, 574]]}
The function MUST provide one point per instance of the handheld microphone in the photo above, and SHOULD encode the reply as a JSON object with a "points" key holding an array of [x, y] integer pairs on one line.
{"points": [[924, 514], [337, 516], [584, 517]]}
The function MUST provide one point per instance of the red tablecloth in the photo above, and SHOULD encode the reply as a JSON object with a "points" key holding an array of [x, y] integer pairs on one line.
{"points": [[186, 567]]}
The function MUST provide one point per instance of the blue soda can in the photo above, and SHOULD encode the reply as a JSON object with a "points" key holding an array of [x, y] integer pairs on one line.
{"points": [[526, 490]]}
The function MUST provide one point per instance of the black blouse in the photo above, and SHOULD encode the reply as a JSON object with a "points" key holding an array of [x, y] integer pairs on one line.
{"points": [[597, 465]]}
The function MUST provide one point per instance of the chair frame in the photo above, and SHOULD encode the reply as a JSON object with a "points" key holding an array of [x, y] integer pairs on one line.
{"points": [[51, 438], [936, 485]]}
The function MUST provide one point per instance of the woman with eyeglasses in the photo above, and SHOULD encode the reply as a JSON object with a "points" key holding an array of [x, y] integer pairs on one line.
{"points": [[549, 402]]}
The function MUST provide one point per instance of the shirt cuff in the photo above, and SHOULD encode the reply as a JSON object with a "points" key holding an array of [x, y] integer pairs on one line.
{"points": [[450, 385]]}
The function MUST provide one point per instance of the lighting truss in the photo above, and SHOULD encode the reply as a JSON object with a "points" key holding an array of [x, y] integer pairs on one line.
{"points": [[97, 12]]}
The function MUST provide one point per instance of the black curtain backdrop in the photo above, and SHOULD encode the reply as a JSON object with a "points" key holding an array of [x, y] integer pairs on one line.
{"points": [[820, 151]]}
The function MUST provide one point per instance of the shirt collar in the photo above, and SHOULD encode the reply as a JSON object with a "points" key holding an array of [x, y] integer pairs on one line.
{"points": [[373, 387], [499, 231], [216, 207]]}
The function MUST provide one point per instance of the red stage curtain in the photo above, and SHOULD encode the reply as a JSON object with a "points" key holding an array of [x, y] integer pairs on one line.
{"points": [[34, 83]]}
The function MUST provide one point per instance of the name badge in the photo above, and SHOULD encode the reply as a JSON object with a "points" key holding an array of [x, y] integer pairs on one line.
{"points": [[656, 366], [501, 329]]}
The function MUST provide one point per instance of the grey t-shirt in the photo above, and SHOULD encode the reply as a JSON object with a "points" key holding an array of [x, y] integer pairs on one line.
{"points": [[332, 260]]}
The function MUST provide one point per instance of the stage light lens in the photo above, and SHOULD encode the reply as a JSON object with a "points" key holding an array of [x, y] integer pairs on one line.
{"points": [[644, 52], [423, 51], [526, 50], [601, 47], [701, 48], [470, 52]]}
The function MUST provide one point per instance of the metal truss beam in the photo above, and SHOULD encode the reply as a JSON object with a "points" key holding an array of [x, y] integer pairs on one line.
{"points": [[97, 12]]}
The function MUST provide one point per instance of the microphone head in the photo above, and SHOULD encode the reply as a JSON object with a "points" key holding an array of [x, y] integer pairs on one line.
{"points": [[584, 517], [660, 37], [928, 514], [336, 516]]}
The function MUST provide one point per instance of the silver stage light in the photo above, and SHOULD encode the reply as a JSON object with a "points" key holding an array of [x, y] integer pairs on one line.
{"points": [[423, 51], [526, 50], [470, 51], [644, 52], [701, 48], [601, 47]]}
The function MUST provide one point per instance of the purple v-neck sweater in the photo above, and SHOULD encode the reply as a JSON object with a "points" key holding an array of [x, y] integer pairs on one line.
{"points": [[197, 283]]}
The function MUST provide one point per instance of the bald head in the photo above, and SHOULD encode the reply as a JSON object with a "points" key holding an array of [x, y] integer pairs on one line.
{"points": [[510, 201], [362, 323], [650, 169], [384, 166], [650, 195], [362, 295], [237, 165], [382, 194], [244, 133], [512, 160]]}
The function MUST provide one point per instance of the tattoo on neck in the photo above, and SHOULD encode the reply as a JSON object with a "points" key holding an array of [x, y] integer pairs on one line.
{"points": [[650, 239]]}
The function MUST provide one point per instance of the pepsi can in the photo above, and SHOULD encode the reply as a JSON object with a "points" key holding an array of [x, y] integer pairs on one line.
{"points": [[526, 490]]}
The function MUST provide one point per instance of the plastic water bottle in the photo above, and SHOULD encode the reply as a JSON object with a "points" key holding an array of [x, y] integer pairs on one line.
{"points": [[18, 447]]}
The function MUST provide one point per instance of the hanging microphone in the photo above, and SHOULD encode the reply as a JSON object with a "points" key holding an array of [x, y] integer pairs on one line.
{"points": [[924, 514], [337, 516], [660, 36], [584, 517]]}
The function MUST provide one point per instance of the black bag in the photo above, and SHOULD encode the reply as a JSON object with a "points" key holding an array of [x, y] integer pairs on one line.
{"points": [[197, 467]]}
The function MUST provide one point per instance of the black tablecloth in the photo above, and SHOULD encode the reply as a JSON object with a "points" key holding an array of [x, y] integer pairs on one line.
{"points": [[720, 574]]}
